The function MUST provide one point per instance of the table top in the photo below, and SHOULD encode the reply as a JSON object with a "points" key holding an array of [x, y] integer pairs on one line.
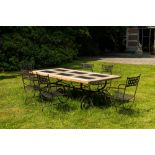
{"points": [[78, 76]]}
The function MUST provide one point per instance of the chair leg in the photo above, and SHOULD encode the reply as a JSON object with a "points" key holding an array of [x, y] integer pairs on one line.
{"points": [[34, 94], [26, 94], [133, 100], [25, 99], [41, 97]]}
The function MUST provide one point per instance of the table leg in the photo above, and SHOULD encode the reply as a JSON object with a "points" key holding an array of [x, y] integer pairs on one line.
{"points": [[81, 86], [103, 87]]}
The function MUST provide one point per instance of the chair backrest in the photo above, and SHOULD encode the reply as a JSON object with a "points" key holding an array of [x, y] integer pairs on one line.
{"points": [[25, 78], [25, 74], [42, 79], [107, 68], [26, 66], [33, 78], [87, 66], [132, 81], [44, 83], [28, 78]]}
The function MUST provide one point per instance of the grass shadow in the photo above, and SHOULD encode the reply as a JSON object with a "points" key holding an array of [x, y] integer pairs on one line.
{"points": [[97, 99], [3, 77], [65, 107], [128, 111]]}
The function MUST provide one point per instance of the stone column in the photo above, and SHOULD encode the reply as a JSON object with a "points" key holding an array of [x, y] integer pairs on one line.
{"points": [[154, 42], [153, 52], [132, 39]]}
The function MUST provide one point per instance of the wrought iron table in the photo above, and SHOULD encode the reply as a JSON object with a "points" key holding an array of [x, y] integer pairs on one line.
{"points": [[78, 76]]}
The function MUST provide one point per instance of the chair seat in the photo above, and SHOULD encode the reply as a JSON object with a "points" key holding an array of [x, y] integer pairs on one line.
{"points": [[26, 77], [34, 78], [29, 87], [50, 95], [119, 96], [37, 88], [103, 82], [123, 91], [32, 87]]}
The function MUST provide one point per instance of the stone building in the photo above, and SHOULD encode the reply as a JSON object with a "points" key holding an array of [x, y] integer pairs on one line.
{"points": [[140, 39]]}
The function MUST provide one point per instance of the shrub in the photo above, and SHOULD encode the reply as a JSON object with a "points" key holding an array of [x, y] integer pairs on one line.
{"points": [[45, 46]]}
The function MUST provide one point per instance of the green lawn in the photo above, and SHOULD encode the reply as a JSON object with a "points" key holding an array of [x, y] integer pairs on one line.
{"points": [[15, 113]]}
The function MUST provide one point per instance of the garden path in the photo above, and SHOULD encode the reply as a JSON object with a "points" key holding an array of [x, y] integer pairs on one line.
{"points": [[127, 58], [146, 61]]}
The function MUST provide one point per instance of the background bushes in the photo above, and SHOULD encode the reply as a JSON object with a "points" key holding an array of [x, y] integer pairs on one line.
{"points": [[45, 46], [51, 46]]}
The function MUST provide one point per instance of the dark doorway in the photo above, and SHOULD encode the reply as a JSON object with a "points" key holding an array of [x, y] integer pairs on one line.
{"points": [[146, 38]]}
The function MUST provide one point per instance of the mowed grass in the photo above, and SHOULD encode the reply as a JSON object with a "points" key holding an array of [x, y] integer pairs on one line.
{"points": [[15, 113]]}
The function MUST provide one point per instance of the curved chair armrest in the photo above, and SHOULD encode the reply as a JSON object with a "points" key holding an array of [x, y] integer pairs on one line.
{"points": [[56, 83], [111, 87], [43, 89], [120, 85], [63, 83]]}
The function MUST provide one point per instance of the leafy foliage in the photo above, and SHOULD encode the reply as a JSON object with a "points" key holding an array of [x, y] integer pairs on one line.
{"points": [[108, 38], [45, 46], [51, 46]]}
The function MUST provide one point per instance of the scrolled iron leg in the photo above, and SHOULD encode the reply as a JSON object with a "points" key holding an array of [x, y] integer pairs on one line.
{"points": [[63, 96], [86, 102]]}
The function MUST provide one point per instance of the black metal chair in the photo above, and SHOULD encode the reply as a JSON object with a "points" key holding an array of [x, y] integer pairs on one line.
{"points": [[122, 93], [26, 66], [107, 69], [87, 66], [30, 83], [29, 80], [50, 90]]}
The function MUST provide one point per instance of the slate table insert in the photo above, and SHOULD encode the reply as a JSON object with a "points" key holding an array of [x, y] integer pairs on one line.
{"points": [[65, 74], [98, 75], [76, 72], [61, 70], [46, 71], [85, 77]]}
